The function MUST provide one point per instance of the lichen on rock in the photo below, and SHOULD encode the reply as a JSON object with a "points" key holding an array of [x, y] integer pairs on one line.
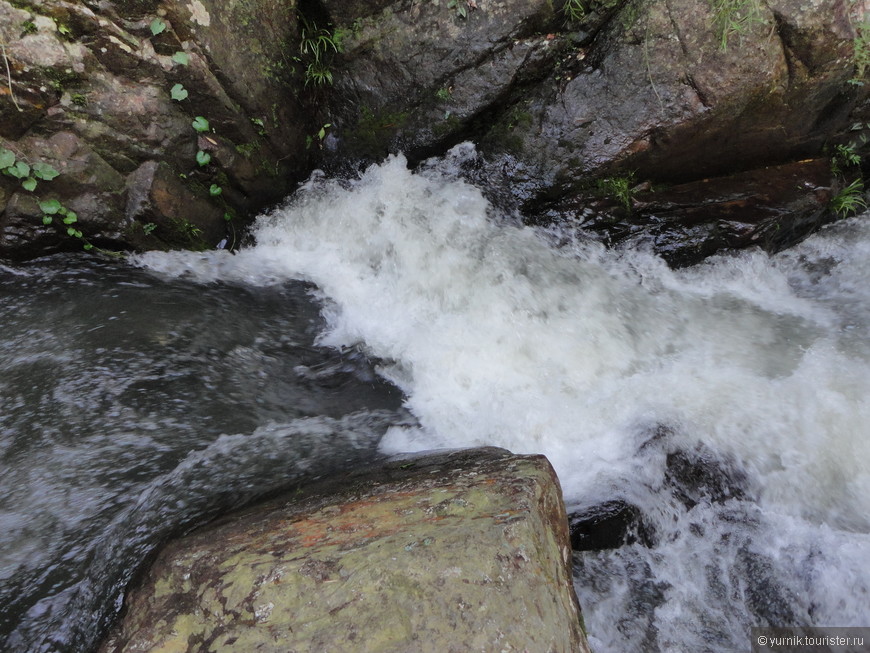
{"points": [[456, 551]]}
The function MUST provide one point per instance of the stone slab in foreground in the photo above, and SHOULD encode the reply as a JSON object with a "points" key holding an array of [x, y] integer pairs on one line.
{"points": [[452, 551]]}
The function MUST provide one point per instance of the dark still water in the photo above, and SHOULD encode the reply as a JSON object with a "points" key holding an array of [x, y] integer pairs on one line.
{"points": [[131, 406]]}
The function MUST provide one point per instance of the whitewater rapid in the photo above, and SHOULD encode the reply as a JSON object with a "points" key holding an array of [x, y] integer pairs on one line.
{"points": [[608, 362]]}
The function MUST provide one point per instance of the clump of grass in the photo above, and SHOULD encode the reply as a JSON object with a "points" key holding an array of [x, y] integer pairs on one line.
{"points": [[861, 52], [315, 45], [733, 17], [574, 11], [619, 189], [849, 200]]}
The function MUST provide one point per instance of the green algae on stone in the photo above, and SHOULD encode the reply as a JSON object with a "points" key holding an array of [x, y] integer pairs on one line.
{"points": [[459, 551]]}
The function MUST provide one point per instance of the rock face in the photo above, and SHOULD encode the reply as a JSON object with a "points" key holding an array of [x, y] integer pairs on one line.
{"points": [[577, 116], [454, 551], [106, 94], [643, 94]]}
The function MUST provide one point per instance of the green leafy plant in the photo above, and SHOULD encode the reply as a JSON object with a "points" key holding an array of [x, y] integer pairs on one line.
{"points": [[574, 11], [733, 17], [11, 166], [178, 93], [320, 135], [861, 52], [157, 26], [443, 94], [317, 45], [188, 230], [28, 27], [200, 124], [619, 189], [318, 74], [844, 156], [215, 190], [849, 200], [19, 170], [148, 228], [260, 125], [181, 58], [203, 158], [51, 208], [44, 171], [247, 149], [460, 6]]}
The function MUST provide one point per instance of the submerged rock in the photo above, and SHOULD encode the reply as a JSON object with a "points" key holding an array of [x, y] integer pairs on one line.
{"points": [[451, 551], [609, 525]]}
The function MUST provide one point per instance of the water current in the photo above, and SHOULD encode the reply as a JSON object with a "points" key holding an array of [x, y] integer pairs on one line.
{"points": [[401, 311]]}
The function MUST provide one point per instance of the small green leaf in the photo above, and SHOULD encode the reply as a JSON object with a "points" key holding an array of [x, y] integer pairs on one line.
{"points": [[20, 170], [71, 231], [44, 171], [88, 247], [178, 93], [50, 206], [157, 26], [47, 219], [228, 216], [70, 218], [203, 158], [29, 184], [200, 124], [215, 190], [7, 158], [78, 234], [181, 58]]}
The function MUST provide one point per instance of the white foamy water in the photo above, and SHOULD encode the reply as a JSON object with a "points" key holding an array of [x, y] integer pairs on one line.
{"points": [[607, 363]]}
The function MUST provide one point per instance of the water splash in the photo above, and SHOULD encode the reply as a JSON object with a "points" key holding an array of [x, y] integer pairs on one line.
{"points": [[541, 342]]}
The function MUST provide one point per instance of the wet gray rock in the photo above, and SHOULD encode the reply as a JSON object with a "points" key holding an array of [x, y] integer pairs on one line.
{"points": [[91, 88], [450, 551], [652, 95], [651, 92]]}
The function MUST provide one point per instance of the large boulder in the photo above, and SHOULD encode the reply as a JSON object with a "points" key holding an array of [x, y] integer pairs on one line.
{"points": [[454, 551]]}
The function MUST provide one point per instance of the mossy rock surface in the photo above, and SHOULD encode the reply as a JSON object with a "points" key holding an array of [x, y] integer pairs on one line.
{"points": [[456, 551]]}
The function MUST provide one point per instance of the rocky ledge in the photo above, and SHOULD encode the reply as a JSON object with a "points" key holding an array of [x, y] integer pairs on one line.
{"points": [[452, 551]]}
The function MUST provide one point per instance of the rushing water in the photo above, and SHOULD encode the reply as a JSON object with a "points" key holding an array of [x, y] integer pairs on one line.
{"points": [[131, 406], [728, 402]]}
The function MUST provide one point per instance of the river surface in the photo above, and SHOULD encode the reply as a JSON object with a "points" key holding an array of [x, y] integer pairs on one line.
{"points": [[729, 402]]}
